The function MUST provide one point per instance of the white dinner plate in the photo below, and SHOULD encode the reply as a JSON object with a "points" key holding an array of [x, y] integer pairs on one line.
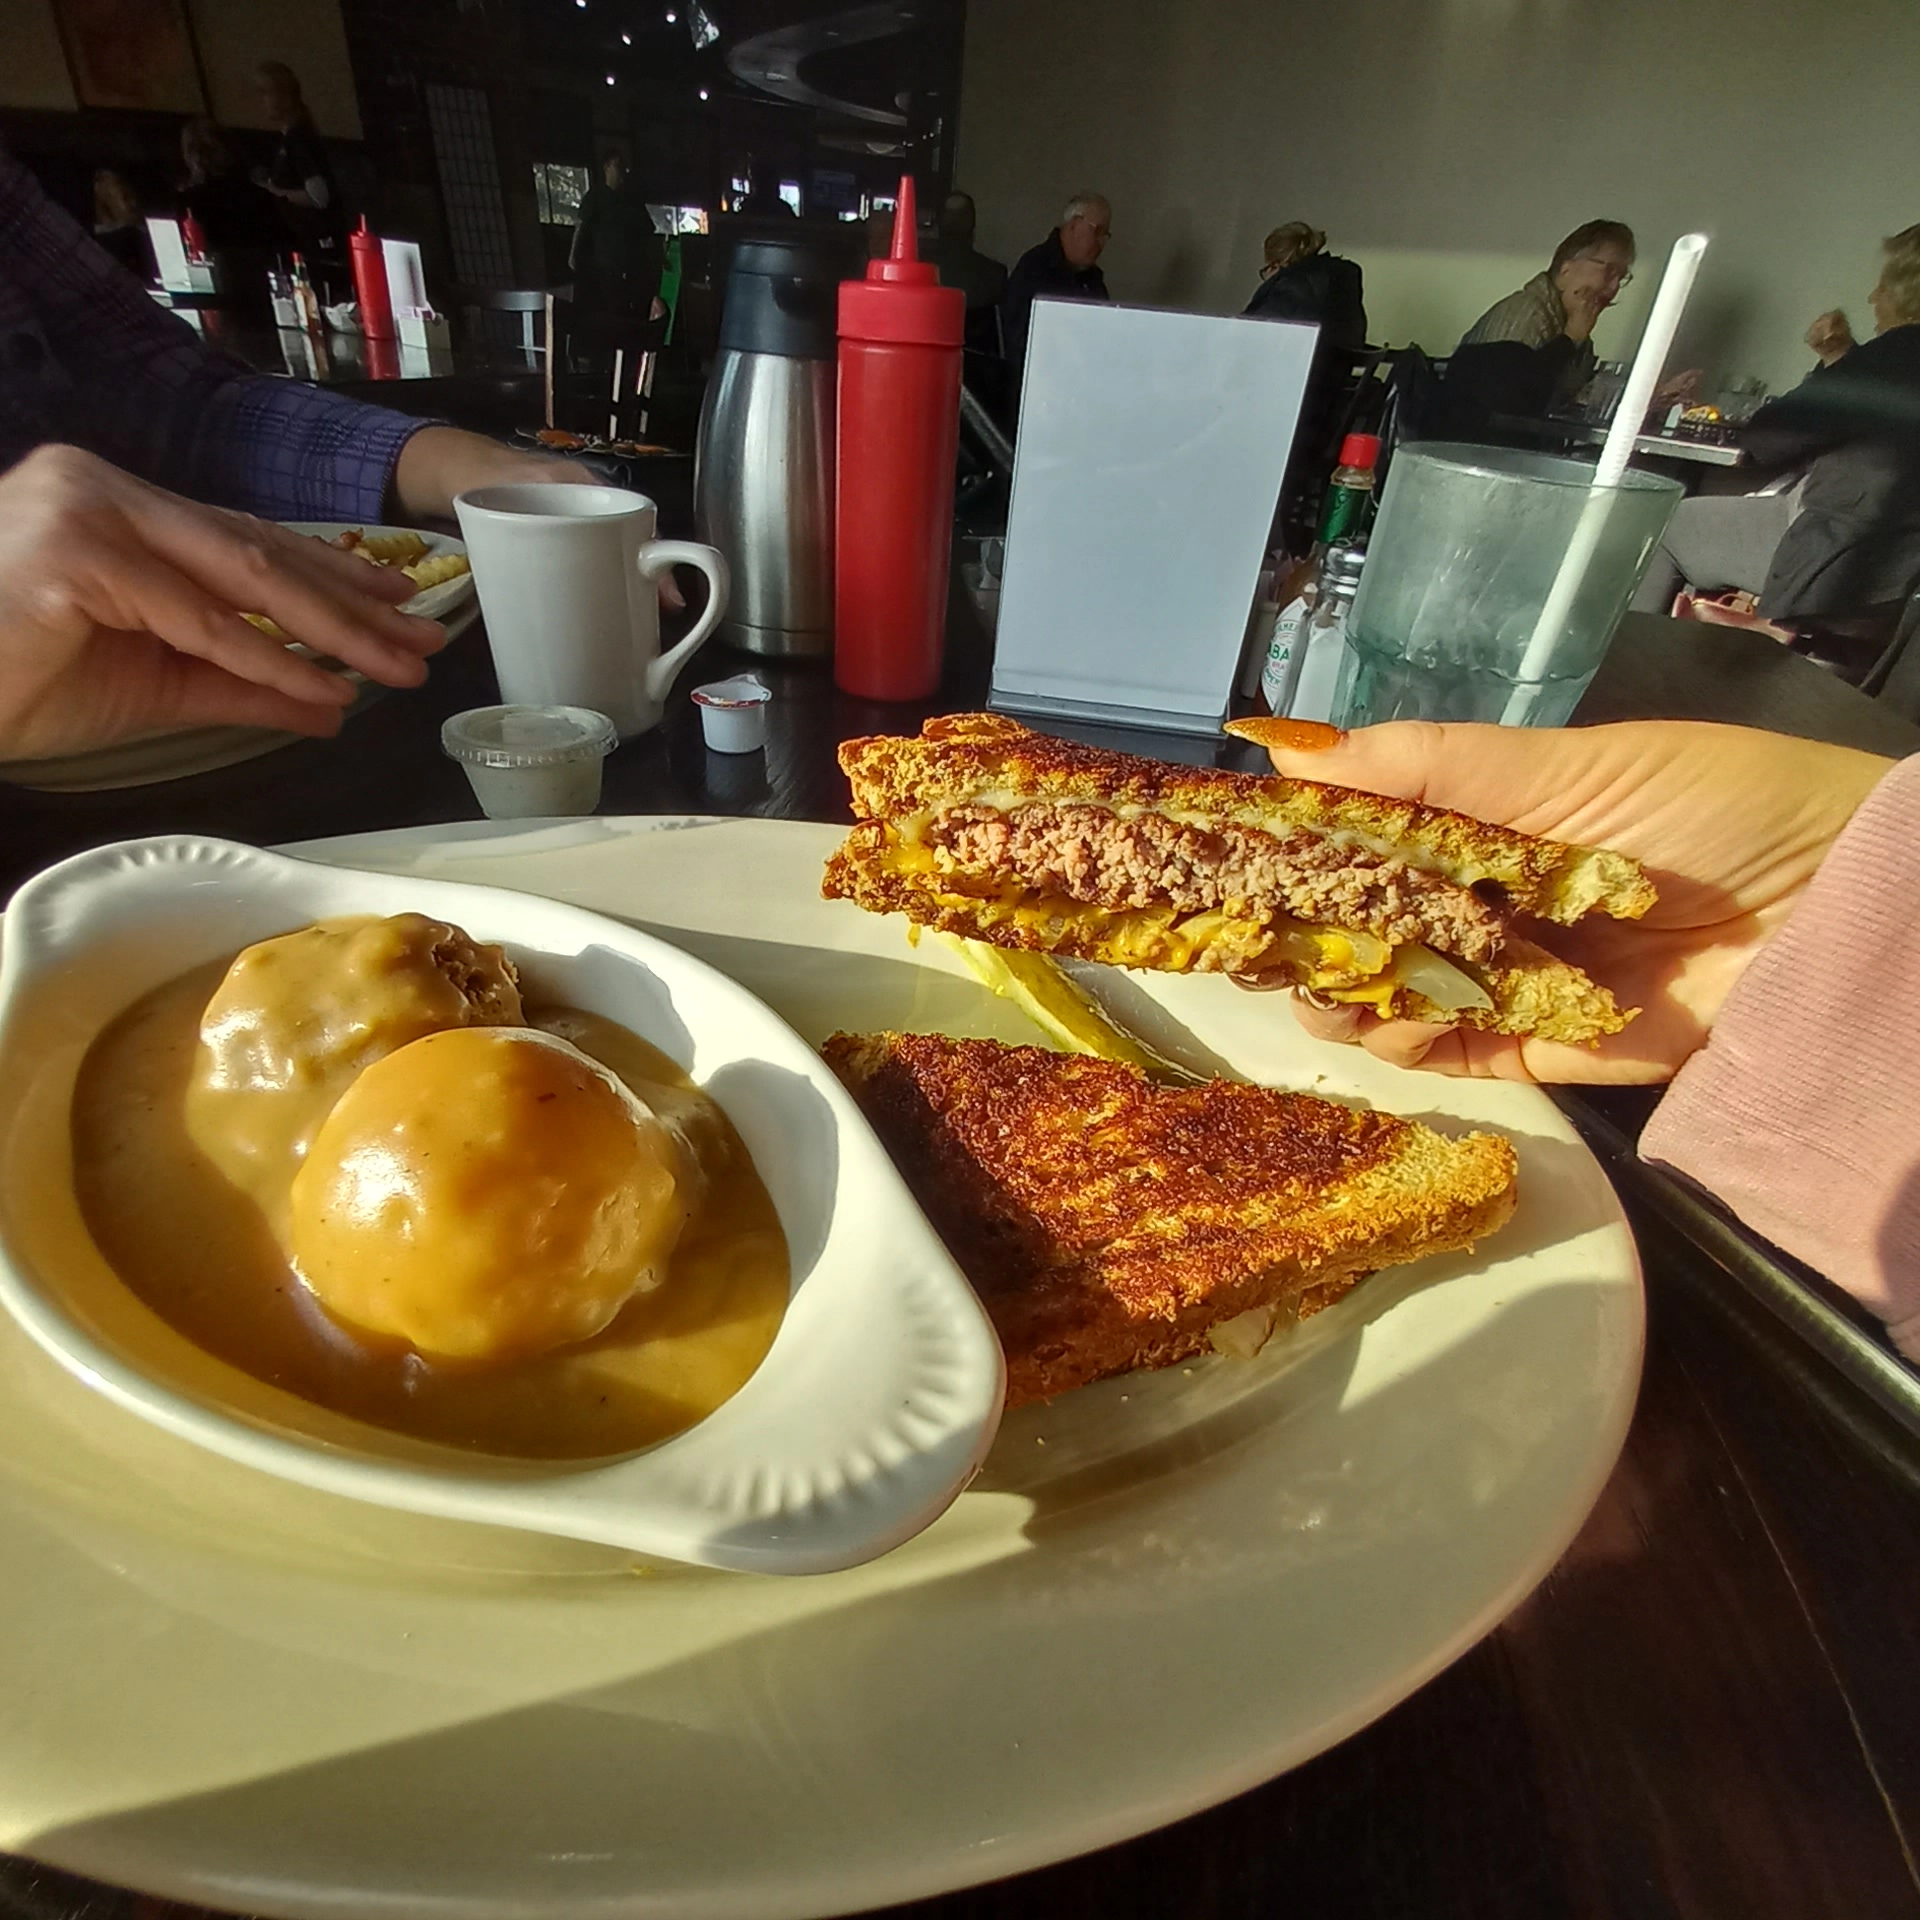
{"points": [[1163, 1589], [172, 756]]}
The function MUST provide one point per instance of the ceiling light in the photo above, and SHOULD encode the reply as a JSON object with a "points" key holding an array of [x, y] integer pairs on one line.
{"points": [[626, 39], [609, 79], [671, 16], [703, 93]]}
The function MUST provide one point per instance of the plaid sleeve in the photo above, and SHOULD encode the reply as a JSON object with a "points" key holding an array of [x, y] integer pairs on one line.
{"points": [[135, 384], [288, 451]]}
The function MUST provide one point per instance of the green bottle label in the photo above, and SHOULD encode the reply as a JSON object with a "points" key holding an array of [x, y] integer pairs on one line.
{"points": [[1346, 509]]}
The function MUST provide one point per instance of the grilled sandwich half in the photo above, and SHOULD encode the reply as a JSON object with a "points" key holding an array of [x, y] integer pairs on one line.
{"points": [[982, 828], [1110, 1224]]}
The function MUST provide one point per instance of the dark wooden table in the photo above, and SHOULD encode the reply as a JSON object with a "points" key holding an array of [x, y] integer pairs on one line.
{"points": [[1711, 1707], [486, 385]]}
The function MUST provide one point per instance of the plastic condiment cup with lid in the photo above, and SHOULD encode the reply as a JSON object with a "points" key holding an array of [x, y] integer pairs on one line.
{"points": [[531, 763], [733, 713]]}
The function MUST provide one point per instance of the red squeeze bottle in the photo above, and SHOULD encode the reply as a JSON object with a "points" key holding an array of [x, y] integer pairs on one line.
{"points": [[370, 282], [899, 434]]}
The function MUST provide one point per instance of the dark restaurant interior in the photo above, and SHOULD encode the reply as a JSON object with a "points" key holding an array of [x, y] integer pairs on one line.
{"points": [[1322, 1291]]}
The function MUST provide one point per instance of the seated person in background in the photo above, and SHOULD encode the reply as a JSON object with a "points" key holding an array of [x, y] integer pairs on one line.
{"points": [[1534, 349], [233, 213], [1064, 266], [1841, 549], [118, 228], [981, 279], [1302, 281], [96, 559], [1795, 1097]]}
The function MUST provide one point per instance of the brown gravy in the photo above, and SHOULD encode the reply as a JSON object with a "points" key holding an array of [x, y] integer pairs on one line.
{"points": [[201, 1253]]}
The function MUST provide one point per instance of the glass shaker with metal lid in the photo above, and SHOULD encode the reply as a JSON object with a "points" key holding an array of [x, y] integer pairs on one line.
{"points": [[1323, 639]]}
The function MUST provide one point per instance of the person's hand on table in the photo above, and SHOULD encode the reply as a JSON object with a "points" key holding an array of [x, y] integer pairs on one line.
{"points": [[1730, 823], [1830, 337], [121, 605], [439, 462], [1678, 386]]}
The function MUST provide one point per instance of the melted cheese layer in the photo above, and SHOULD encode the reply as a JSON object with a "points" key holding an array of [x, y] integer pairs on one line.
{"points": [[1158, 937]]}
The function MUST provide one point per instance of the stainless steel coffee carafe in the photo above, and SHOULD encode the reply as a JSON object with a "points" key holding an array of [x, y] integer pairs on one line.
{"points": [[763, 469]]}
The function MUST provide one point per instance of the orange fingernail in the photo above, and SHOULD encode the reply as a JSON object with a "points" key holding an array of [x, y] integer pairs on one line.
{"points": [[1300, 736]]}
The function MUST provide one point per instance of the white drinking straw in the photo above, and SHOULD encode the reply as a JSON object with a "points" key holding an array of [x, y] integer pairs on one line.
{"points": [[1668, 304]]}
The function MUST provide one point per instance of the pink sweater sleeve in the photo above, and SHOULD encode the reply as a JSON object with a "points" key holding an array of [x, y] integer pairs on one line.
{"points": [[1803, 1111]]}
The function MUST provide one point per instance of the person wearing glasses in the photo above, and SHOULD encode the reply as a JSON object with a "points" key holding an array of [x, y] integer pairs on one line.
{"points": [[1553, 316], [1064, 266], [1301, 280]]}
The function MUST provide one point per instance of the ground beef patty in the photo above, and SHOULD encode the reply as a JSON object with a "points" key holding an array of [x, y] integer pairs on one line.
{"points": [[1091, 854]]}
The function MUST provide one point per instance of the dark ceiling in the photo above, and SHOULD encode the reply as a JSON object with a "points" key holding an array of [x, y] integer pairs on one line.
{"points": [[874, 81]]}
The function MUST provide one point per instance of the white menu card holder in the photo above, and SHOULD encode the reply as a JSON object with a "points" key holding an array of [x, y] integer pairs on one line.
{"points": [[1152, 447], [406, 282], [177, 273]]}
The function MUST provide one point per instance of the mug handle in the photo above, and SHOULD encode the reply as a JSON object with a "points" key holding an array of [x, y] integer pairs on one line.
{"points": [[662, 556]]}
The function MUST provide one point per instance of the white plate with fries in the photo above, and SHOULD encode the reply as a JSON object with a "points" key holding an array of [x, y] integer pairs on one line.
{"points": [[437, 560]]}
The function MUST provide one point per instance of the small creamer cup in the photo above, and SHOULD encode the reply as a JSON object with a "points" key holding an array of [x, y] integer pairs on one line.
{"points": [[733, 713], [531, 763]]}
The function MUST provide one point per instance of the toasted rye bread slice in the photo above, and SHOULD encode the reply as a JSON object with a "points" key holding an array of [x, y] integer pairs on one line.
{"points": [[1108, 1223], [1533, 992], [986, 759]]}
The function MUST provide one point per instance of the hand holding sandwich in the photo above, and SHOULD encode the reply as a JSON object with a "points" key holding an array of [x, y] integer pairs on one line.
{"points": [[1579, 906], [1730, 823]]}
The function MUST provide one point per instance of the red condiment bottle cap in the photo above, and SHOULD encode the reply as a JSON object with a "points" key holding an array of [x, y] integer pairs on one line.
{"points": [[901, 299], [1360, 450]]}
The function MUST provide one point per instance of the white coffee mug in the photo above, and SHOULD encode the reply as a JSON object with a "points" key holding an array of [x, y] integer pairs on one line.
{"points": [[567, 581]]}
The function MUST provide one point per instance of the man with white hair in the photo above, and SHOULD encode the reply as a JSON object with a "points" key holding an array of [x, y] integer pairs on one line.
{"points": [[1064, 266]]}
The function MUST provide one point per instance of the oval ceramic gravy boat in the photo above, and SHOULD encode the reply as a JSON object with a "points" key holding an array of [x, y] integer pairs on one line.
{"points": [[871, 1411]]}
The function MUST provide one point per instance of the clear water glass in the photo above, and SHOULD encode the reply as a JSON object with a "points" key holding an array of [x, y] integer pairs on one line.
{"points": [[1462, 560]]}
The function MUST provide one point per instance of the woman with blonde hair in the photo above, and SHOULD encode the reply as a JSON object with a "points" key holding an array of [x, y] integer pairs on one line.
{"points": [[1300, 280], [1840, 549]]}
